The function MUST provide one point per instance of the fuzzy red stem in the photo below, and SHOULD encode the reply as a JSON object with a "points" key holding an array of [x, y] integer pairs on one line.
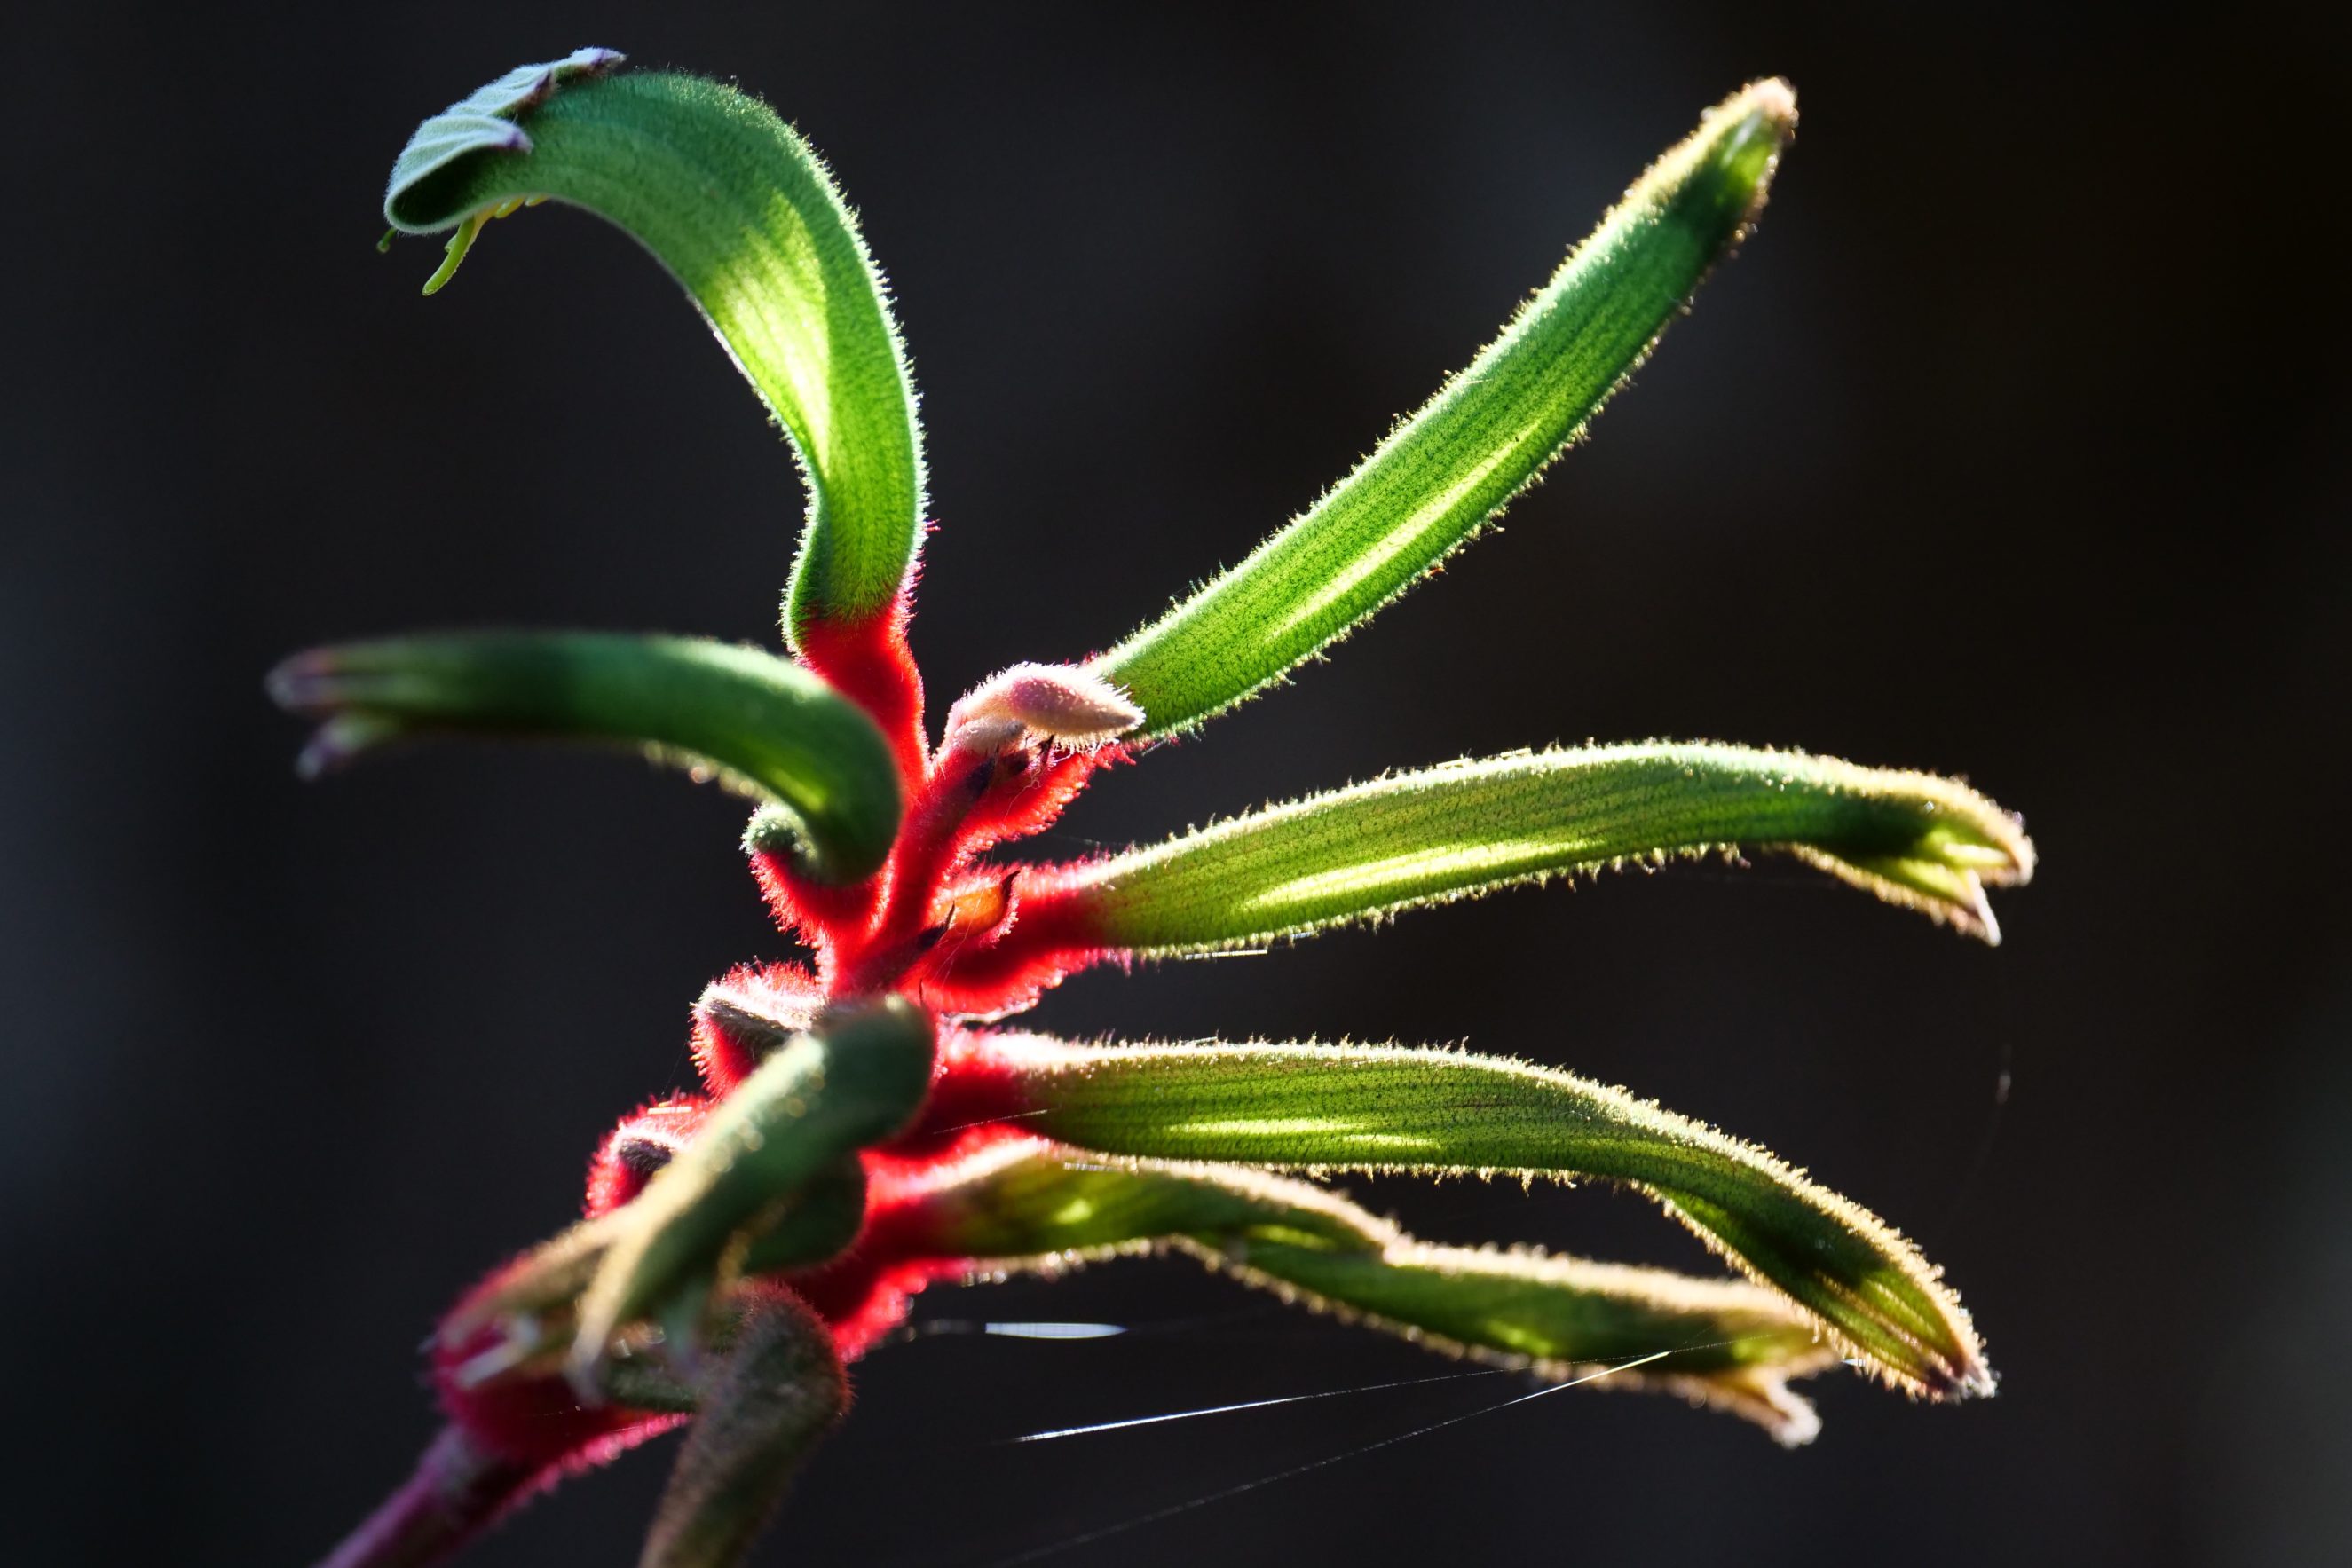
{"points": [[869, 662]]}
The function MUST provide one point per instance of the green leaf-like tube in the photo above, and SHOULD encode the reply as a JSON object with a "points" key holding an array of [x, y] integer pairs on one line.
{"points": [[741, 212], [1449, 832], [1387, 1108], [1028, 1202], [766, 727], [1486, 435]]}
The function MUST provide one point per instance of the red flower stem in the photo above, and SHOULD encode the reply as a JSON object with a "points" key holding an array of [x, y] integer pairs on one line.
{"points": [[868, 662], [926, 854], [1053, 938]]}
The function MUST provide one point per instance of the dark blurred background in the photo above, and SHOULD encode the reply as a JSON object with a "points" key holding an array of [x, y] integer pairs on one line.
{"points": [[2013, 445]]}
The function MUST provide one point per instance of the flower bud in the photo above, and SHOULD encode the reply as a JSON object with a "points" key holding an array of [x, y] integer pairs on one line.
{"points": [[748, 1016], [1069, 706]]}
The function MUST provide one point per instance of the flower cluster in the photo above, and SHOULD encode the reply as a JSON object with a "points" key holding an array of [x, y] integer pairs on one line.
{"points": [[866, 1125]]}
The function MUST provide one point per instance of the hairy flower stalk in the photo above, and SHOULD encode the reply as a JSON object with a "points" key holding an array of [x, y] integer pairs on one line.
{"points": [[856, 1138]]}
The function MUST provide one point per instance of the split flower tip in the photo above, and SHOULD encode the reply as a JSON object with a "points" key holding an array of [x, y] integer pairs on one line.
{"points": [[485, 120], [1964, 846], [310, 685]]}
